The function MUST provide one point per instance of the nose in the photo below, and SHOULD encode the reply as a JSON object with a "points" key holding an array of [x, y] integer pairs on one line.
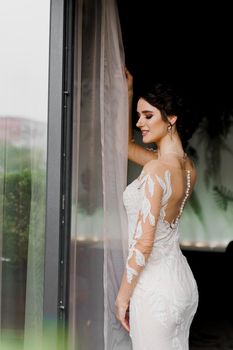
{"points": [[139, 122]]}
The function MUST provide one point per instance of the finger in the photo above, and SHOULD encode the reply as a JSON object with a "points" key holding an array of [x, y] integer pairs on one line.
{"points": [[127, 72], [125, 324], [129, 76]]}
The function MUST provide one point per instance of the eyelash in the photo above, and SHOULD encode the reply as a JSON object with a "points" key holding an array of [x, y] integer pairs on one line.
{"points": [[147, 116]]}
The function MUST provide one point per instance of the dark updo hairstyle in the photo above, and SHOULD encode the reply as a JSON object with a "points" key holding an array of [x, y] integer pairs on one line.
{"points": [[171, 101]]}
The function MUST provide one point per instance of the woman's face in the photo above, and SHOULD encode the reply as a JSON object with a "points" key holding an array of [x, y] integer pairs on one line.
{"points": [[150, 121]]}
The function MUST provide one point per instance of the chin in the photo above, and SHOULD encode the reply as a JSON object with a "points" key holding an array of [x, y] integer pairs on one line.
{"points": [[148, 141]]}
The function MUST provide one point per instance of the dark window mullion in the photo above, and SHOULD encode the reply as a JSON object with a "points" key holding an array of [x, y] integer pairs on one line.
{"points": [[53, 210], [66, 159]]}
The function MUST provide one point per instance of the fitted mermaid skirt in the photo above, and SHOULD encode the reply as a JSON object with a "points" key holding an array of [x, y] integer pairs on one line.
{"points": [[163, 304]]}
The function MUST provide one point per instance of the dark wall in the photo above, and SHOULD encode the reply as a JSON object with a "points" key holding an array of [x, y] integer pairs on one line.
{"points": [[188, 44], [213, 273], [191, 46]]}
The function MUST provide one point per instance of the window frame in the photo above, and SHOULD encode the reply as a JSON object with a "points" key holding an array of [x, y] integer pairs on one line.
{"points": [[59, 163]]}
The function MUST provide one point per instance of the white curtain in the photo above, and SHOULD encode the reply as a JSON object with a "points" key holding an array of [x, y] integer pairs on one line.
{"points": [[99, 225], [114, 136]]}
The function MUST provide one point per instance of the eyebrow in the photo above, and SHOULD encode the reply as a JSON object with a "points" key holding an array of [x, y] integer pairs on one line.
{"points": [[144, 112]]}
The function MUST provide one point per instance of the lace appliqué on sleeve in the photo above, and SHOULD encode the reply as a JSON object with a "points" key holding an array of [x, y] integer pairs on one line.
{"points": [[144, 230]]}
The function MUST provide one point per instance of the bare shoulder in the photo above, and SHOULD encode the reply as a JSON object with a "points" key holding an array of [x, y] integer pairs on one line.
{"points": [[153, 166]]}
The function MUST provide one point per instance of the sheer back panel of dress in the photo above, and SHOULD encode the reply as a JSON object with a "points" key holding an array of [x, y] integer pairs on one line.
{"points": [[181, 182], [181, 187]]}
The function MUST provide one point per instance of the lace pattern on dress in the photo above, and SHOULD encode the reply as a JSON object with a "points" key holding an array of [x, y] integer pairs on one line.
{"points": [[148, 187], [144, 213], [145, 216]]}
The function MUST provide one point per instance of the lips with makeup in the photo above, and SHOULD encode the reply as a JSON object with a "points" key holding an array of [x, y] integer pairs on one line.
{"points": [[144, 132]]}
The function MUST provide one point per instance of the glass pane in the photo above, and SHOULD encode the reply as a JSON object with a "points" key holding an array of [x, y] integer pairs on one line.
{"points": [[24, 36]]}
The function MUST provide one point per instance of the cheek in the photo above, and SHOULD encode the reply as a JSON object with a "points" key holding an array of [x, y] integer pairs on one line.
{"points": [[158, 124]]}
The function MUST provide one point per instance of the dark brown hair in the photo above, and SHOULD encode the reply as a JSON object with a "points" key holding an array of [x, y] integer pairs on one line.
{"points": [[170, 101]]}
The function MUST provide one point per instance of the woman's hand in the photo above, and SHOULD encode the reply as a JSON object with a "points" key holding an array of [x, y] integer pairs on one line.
{"points": [[129, 79], [122, 313]]}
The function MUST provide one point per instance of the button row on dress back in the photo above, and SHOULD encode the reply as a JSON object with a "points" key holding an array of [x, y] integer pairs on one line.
{"points": [[186, 195]]}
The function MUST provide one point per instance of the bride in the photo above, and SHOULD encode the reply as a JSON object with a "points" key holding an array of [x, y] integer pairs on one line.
{"points": [[158, 295]]}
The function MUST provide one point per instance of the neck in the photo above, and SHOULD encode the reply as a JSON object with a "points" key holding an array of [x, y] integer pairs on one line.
{"points": [[167, 145]]}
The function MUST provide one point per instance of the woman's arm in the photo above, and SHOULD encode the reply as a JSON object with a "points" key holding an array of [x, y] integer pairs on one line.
{"points": [[143, 240], [136, 153]]}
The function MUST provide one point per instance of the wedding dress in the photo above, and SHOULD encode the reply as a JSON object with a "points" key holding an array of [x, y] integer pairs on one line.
{"points": [[164, 294]]}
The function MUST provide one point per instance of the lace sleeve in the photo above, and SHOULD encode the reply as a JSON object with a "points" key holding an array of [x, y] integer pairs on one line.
{"points": [[144, 236]]}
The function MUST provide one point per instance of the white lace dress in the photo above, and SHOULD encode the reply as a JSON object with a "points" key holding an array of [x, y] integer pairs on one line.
{"points": [[165, 297]]}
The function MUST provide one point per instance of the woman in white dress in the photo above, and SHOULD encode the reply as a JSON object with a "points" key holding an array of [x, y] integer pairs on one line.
{"points": [[158, 296]]}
